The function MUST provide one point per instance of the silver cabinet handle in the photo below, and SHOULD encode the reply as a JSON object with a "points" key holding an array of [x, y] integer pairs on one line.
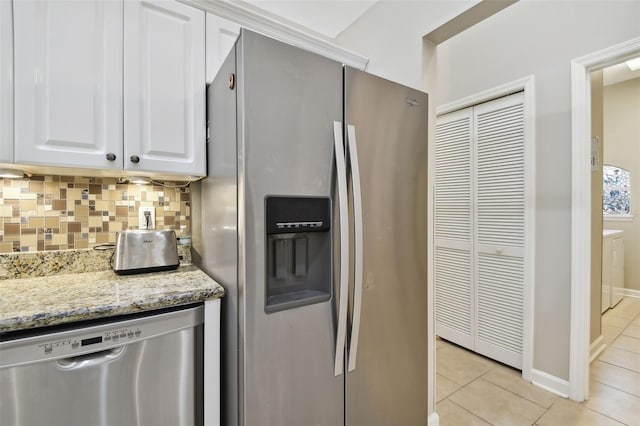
{"points": [[341, 170], [90, 360], [358, 245]]}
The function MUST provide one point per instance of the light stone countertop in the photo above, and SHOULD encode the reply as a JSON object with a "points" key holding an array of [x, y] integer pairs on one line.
{"points": [[51, 300]]}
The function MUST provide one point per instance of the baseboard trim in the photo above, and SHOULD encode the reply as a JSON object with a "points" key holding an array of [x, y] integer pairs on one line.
{"points": [[629, 292], [596, 348], [433, 420], [551, 383]]}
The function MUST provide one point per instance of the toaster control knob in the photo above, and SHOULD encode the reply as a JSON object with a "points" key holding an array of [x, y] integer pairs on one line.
{"points": [[134, 159], [111, 156]]}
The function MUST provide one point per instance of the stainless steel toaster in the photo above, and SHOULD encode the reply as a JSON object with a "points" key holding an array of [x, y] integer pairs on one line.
{"points": [[140, 251]]}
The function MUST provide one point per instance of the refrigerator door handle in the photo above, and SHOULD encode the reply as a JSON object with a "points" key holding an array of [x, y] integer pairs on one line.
{"points": [[341, 169], [357, 246]]}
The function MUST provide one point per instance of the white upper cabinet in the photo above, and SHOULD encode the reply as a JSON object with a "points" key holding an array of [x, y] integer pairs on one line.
{"points": [[107, 85], [221, 36], [164, 87], [68, 83], [6, 83]]}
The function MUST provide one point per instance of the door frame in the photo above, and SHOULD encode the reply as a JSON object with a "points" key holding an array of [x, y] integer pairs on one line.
{"points": [[526, 85], [581, 69]]}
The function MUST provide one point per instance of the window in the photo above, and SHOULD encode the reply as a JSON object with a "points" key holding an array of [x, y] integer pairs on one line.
{"points": [[616, 197]]}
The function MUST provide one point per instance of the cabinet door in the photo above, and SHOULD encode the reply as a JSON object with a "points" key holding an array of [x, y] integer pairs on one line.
{"points": [[617, 270], [6, 83], [68, 83], [500, 232], [454, 295], [164, 87], [221, 36], [607, 267]]}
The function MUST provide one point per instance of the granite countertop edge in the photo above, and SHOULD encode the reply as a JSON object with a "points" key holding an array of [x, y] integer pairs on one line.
{"points": [[28, 303]]}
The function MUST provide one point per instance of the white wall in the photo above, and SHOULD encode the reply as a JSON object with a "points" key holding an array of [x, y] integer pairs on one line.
{"points": [[622, 148], [540, 38], [390, 35]]}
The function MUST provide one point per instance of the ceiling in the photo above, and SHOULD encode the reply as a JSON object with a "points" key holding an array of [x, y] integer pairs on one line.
{"points": [[618, 73], [326, 17]]}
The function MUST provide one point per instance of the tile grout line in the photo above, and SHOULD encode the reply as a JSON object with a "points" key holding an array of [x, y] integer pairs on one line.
{"points": [[624, 349], [629, 322], [518, 395], [495, 365], [605, 415], [471, 412], [507, 390], [616, 388], [447, 398], [545, 412]]}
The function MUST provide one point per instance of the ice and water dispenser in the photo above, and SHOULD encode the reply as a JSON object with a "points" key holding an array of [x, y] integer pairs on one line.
{"points": [[298, 251]]}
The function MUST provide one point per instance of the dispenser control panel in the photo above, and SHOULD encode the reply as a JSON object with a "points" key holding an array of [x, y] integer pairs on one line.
{"points": [[297, 214], [298, 225]]}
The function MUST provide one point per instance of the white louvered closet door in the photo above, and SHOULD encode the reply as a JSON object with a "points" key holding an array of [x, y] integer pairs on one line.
{"points": [[479, 245], [453, 228], [499, 220]]}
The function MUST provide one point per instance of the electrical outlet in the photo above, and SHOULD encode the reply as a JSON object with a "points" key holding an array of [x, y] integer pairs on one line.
{"points": [[142, 218]]}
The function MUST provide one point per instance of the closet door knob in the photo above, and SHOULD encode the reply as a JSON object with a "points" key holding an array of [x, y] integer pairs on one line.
{"points": [[111, 156], [134, 159]]}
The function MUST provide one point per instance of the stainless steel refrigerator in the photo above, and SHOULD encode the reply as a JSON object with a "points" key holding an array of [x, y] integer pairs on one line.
{"points": [[313, 217]]}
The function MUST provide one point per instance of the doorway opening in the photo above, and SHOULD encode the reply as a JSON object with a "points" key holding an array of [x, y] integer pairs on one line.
{"points": [[581, 204]]}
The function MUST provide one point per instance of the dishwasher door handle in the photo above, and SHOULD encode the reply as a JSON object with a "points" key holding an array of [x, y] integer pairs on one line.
{"points": [[91, 360]]}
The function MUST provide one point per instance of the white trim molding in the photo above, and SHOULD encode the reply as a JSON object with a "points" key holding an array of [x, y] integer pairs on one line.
{"points": [[431, 304], [617, 217], [596, 348], [212, 362], [551, 383], [271, 25], [526, 84], [630, 292], [581, 208], [433, 420]]}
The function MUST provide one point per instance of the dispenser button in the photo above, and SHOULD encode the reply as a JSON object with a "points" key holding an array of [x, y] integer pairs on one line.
{"points": [[300, 254], [280, 248]]}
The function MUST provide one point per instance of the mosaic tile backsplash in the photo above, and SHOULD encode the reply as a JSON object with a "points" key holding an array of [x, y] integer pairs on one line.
{"points": [[68, 212]]}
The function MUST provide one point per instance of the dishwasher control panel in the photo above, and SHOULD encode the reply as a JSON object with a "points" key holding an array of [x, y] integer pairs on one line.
{"points": [[89, 338], [68, 347]]}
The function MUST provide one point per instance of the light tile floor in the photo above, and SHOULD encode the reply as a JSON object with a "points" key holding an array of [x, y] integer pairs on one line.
{"points": [[474, 390]]}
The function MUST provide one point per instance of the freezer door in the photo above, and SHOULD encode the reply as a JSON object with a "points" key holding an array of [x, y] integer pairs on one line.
{"points": [[388, 385], [288, 100]]}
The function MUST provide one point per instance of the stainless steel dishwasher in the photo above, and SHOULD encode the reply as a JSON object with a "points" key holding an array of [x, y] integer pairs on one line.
{"points": [[144, 369]]}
